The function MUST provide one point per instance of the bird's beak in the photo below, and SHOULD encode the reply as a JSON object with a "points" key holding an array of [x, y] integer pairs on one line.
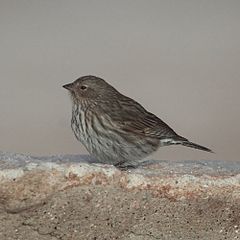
{"points": [[69, 86]]}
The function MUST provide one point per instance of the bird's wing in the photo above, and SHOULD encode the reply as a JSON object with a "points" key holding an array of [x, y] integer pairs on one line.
{"points": [[130, 116], [149, 125]]}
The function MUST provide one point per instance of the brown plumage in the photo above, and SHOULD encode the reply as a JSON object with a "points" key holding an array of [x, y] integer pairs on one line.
{"points": [[114, 128]]}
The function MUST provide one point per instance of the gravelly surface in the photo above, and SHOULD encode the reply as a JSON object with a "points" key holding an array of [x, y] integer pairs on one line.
{"points": [[71, 197]]}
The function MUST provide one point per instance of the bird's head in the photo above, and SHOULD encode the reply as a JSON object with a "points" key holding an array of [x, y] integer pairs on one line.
{"points": [[91, 88]]}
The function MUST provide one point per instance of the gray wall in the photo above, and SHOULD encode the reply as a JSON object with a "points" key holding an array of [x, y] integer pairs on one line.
{"points": [[180, 59]]}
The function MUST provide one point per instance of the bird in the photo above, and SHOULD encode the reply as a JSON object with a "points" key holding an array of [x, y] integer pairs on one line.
{"points": [[116, 129]]}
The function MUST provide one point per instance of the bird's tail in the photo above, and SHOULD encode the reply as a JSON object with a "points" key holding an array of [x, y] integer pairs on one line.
{"points": [[194, 145], [178, 140]]}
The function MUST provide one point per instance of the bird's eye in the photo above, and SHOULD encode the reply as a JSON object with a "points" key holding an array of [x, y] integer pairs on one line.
{"points": [[83, 87]]}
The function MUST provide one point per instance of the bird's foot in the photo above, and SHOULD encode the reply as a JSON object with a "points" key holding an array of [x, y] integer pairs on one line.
{"points": [[125, 167]]}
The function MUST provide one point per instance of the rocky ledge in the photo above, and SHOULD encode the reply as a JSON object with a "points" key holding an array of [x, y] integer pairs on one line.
{"points": [[73, 197]]}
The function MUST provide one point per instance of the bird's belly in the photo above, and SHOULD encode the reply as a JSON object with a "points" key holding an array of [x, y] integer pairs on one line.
{"points": [[110, 147], [113, 151]]}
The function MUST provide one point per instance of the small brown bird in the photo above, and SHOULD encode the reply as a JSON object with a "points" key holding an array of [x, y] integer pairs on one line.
{"points": [[114, 128]]}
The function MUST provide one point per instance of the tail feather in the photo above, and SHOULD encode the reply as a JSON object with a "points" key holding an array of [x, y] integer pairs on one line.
{"points": [[194, 145], [179, 140]]}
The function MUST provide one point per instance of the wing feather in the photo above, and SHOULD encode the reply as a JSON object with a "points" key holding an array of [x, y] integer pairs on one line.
{"points": [[128, 115]]}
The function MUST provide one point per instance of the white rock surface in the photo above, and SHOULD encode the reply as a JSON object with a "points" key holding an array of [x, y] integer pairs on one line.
{"points": [[158, 200]]}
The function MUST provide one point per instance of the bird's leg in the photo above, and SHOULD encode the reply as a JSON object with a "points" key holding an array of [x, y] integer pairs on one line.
{"points": [[123, 166]]}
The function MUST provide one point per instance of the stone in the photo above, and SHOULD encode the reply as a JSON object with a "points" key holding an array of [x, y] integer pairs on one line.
{"points": [[73, 197]]}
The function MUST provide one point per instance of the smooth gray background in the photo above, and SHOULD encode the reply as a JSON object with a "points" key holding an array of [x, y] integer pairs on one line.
{"points": [[180, 59]]}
